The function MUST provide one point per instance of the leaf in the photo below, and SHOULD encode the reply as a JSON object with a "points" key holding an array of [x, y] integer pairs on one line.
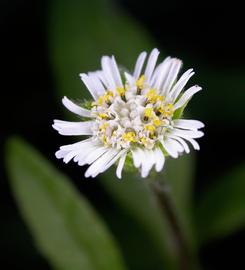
{"points": [[221, 210], [65, 228]]}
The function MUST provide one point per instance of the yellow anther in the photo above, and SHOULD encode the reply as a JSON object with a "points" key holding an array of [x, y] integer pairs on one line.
{"points": [[140, 82], [143, 140], [100, 100], [157, 122], [103, 115], [129, 137], [104, 126], [166, 110], [121, 91], [151, 95], [160, 98], [148, 112], [150, 128], [107, 96]]}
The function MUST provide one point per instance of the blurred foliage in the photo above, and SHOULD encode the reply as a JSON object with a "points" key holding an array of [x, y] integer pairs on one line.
{"points": [[65, 227], [221, 211]]}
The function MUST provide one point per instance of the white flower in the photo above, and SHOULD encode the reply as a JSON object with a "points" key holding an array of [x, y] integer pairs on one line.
{"points": [[135, 117]]}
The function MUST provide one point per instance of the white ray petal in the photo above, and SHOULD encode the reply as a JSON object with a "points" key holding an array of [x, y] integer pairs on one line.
{"points": [[186, 96], [71, 106], [160, 74], [178, 87], [106, 67], [95, 168], [139, 64], [73, 128], [137, 157], [187, 133], [147, 162], [170, 147], [97, 82], [182, 142], [115, 72], [151, 64], [172, 76], [129, 78], [188, 124], [194, 143], [112, 161], [94, 155], [90, 85], [160, 159], [120, 165]]}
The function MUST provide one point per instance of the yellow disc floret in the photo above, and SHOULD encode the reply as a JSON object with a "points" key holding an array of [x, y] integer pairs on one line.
{"points": [[140, 82], [148, 112], [129, 136]]}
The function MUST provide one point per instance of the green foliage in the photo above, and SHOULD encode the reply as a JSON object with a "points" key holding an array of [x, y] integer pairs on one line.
{"points": [[221, 210], [66, 229]]}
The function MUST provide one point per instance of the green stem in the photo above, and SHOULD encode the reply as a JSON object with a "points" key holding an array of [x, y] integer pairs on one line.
{"points": [[166, 203]]}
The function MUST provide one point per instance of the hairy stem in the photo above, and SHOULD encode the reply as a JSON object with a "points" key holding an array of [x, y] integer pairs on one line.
{"points": [[166, 203]]}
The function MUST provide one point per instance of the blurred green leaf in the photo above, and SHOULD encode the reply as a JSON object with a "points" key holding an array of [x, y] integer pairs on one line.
{"points": [[65, 227], [221, 210]]}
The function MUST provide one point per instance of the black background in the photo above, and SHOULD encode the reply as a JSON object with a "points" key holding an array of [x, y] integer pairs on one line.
{"points": [[208, 32]]}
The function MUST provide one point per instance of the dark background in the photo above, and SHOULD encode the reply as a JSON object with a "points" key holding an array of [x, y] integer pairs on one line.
{"points": [[207, 33]]}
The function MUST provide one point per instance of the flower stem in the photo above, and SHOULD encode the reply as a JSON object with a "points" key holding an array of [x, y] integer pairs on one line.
{"points": [[167, 205]]}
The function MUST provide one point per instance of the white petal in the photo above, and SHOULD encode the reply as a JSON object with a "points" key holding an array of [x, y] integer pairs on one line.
{"points": [[188, 124], [67, 152], [94, 155], [172, 76], [97, 82], [100, 163], [186, 96], [113, 160], [170, 147], [75, 108], [178, 87], [147, 162], [129, 78], [160, 159], [194, 143], [120, 165], [139, 64], [187, 133], [90, 85], [160, 74], [106, 67], [151, 64], [137, 157], [116, 73], [182, 142], [73, 128]]}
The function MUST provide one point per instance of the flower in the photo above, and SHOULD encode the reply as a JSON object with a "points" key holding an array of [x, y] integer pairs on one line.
{"points": [[135, 118]]}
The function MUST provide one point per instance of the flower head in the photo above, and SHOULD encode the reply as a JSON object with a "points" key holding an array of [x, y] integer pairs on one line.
{"points": [[133, 116]]}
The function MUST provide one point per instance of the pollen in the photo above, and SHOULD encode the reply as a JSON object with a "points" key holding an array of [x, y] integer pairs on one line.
{"points": [[150, 128], [140, 82], [104, 126], [103, 115], [129, 136], [157, 122], [121, 91], [148, 112]]}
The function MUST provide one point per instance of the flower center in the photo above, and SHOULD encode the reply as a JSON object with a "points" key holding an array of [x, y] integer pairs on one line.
{"points": [[132, 115]]}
